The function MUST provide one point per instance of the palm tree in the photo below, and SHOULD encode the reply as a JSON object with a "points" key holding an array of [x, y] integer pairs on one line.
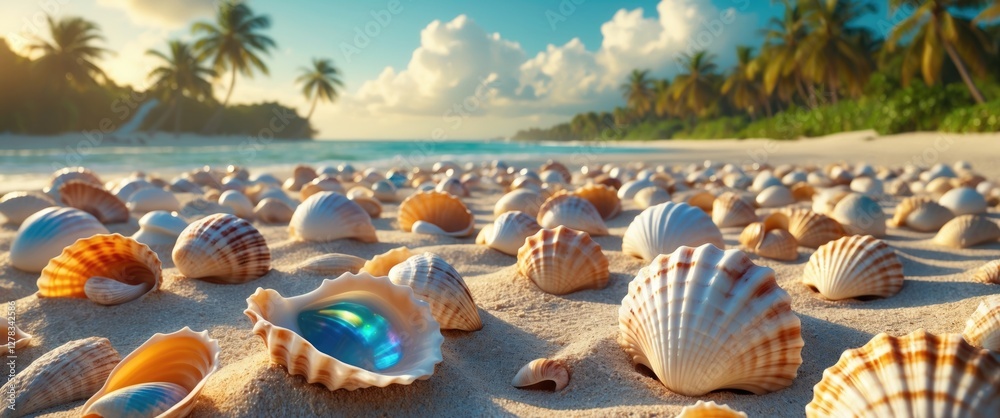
{"points": [[741, 86], [937, 31], [71, 50], [696, 90], [781, 71], [320, 83], [181, 74], [663, 105], [234, 42], [637, 92], [988, 14], [832, 52]]}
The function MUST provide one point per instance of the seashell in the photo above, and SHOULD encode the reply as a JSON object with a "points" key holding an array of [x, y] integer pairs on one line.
{"points": [[561, 261], [321, 184], [938, 186], [628, 190], [769, 241], [826, 200], [809, 228], [967, 231], [818, 179], [436, 282], [88, 267], [918, 375], [663, 228], [775, 196], [128, 187], [802, 192], [71, 372], [558, 167], [222, 248], [159, 228], [360, 191], [898, 188], [867, 186], [328, 216], [794, 177], [704, 319], [43, 236], [508, 232], [332, 264], [183, 185], [148, 200], [609, 181], [400, 342], [205, 178], [963, 201], [13, 334], [162, 377], [988, 273], [238, 202], [15, 207], [93, 200], [652, 196], [729, 210], [435, 213], [604, 199], [541, 371], [453, 187], [860, 215], [527, 201], [983, 327], [214, 195], [273, 211], [920, 214], [68, 174], [385, 191], [710, 409], [371, 205], [301, 175], [380, 265], [525, 182], [572, 212], [852, 267]]}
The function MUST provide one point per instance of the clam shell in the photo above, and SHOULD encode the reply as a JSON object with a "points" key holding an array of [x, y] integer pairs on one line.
{"points": [[809, 228], [301, 175], [963, 201], [651, 196], [540, 371], [332, 264], [321, 184], [826, 200], [93, 200], [127, 187], [763, 180], [436, 282], [663, 228], [704, 319], [238, 202], [604, 199], [385, 191], [371, 205], [508, 232], [15, 207], [775, 196], [451, 186], [710, 409], [854, 266], [183, 358], [561, 261], [983, 327], [860, 215], [628, 190], [867, 186], [273, 211], [159, 228], [802, 191], [435, 213], [380, 265], [522, 200], [918, 375], [71, 372], [102, 259], [148, 200], [44, 235], [401, 344], [14, 334], [328, 216], [572, 212], [769, 241], [920, 214], [559, 168], [967, 231], [989, 273], [68, 174], [140, 400], [729, 210], [222, 248], [183, 185]]}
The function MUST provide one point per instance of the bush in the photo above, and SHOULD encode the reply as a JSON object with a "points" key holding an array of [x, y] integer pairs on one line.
{"points": [[724, 127], [980, 118]]}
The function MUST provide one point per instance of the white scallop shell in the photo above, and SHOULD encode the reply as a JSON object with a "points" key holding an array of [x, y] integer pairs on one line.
{"points": [[561, 261], [15, 207], [522, 200], [222, 248], [963, 201], [273, 211], [238, 202], [44, 235], [663, 228], [983, 327], [148, 200], [860, 215], [540, 371], [854, 266], [572, 212], [436, 282], [159, 228], [507, 233], [729, 210], [967, 231], [328, 216]]}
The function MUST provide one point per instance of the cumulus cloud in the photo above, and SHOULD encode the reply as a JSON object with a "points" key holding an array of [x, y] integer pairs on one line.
{"points": [[163, 13]]}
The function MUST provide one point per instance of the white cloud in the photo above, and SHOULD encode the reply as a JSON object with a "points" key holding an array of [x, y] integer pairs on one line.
{"points": [[170, 14]]}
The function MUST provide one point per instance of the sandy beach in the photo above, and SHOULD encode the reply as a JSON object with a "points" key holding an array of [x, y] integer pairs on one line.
{"points": [[521, 322]]}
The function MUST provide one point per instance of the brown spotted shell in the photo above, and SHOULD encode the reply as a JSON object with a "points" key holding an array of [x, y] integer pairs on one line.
{"points": [[222, 248]]}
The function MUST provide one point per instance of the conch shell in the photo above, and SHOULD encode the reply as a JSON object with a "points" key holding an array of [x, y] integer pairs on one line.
{"points": [[436, 213], [854, 266], [107, 269], [561, 261], [508, 231], [159, 228], [15, 207], [967, 231], [702, 409], [983, 327], [222, 248], [540, 371], [436, 282], [328, 216], [663, 228], [44, 235], [380, 265], [604, 199], [93, 200]]}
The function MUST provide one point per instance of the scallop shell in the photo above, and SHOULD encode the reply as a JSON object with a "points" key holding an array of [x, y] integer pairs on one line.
{"points": [[332, 264], [120, 268], [652, 196], [769, 241], [183, 358], [371, 205], [127, 187], [826, 200], [15, 207], [328, 216], [983, 327], [273, 211], [522, 200], [401, 341], [540, 371], [561, 261], [44, 235], [963, 201], [809, 228], [702, 409], [93, 200], [775, 196], [860, 215], [988, 273], [238, 202], [435, 213], [222, 248], [559, 168], [572, 212], [854, 266], [508, 231], [967, 231], [604, 199], [71, 372], [68, 174], [436, 282], [920, 214], [918, 375], [159, 228], [148, 200], [663, 228], [380, 265], [13, 334], [704, 319], [729, 210]]}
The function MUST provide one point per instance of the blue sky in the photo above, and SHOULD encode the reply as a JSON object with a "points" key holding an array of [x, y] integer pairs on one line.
{"points": [[474, 69]]}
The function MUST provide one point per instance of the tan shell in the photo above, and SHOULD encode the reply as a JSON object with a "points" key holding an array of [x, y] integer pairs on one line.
{"points": [[522, 200], [854, 266], [453, 187], [301, 175], [809, 228], [328, 216], [15, 207], [540, 371], [572, 212], [508, 232], [435, 213], [273, 211], [380, 265], [106, 258], [385, 191], [663, 228], [604, 199], [561, 261], [710, 409], [69, 174], [150, 199], [321, 184], [860, 215], [826, 200], [93, 200], [967, 231], [222, 248], [238, 202], [803, 191], [71, 372], [891, 377], [988, 273], [371, 205], [983, 327], [557, 167], [775, 196], [20, 338], [963, 201], [700, 199], [436, 282], [332, 264], [729, 210], [652, 196], [769, 241], [920, 214]]}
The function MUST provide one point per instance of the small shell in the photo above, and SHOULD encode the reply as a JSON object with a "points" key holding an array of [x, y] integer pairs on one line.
{"points": [[867, 186], [663, 228], [328, 216], [238, 202], [301, 175], [988, 273], [826, 200], [108, 292], [71, 372], [559, 168], [963, 201], [369, 204], [802, 192], [967, 231], [127, 187], [159, 228], [527, 201], [702, 409], [453, 187], [572, 212], [629, 189], [651, 196], [93, 200], [854, 266], [508, 231], [983, 327], [183, 185], [148, 200], [435, 213], [19, 337], [604, 199], [380, 265], [332, 264], [540, 371], [86, 268], [222, 248], [729, 210], [385, 191], [775, 196], [68, 174], [921, 214], [321, 184], [436, 282], [273, 211], [769, 242], [44, 235], [809, 228], [561, 261], [15, 207], [860, 215]]}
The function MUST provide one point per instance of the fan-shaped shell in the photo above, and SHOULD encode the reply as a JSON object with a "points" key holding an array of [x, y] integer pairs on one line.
{"points": [[401, 341], [44, 235], [102, 259], [328, 216], [652, 196], [988, 273], [663, 228], [983, 327], [918, 375], [14, 334], [561, 261], [68, 174], [768, 240], [380, 264], [222, 248], [921, 214], [238, 202], [527, 201], [809, 228], [321, 184], [967, 231], [604, 199], [371, 205], [159, 228], [775, 196], [273, 211], [508, 231], [860, 215], [435, 213], [729, 210], [542, 370], [332, 264], [184, 358], [15, 207], [963, 201], [436, 282], [452, 186], [572, 212], [704, 319], [710, 409], [301, 175], [854, 266], [148, 200], [93, 200]]}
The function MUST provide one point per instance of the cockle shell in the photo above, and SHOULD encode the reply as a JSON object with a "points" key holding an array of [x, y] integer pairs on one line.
{"points": [[920, 214], [68, 174], [572, 212], [663, 228], [273, 211], [729, 210], [918, 375], [860, 215], [854, 266], [380, 264], [93, 200], [967, 231], [988, 273], [332, 264], [652, 196], [540, 371], [159, 228], [120, 268], [561, 261], [809, 228], [71, 372], [507, 233], [238, 202], [352, 332], [963, 201], [44, 235], [768, 240], [704, 319], [983, 327], [328, 216], [15, 207], [13, 334], [436, 282], [435, 213], [710, 409], [222, 248], [184, 358], [775, 196], [148, 200], [604, 199], [527, 201]]}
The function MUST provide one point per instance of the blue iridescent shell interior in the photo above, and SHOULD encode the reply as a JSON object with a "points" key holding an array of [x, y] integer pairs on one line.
{"points": [[354, 334]]}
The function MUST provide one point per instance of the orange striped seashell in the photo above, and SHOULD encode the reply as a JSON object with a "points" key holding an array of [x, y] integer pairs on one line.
{"points": [[68, 174], [854, 266], [108, 269], [435, 213], [604, 199], [93, 200], [222, 248], [561, 261], [983, 327], [436, 282], [809, 228], [989, 273]]}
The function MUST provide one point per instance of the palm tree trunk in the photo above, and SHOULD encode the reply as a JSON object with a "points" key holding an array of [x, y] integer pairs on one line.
{"points": [[312, 107], [812, 95], [767, 107], [232, 84], [962, 71], [801, 89], [833, 87]]}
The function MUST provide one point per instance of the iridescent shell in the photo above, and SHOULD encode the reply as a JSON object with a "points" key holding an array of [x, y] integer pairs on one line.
{"points": [[663, 228], [854, 266], [44, 235], [222, 248], [541, 371], [809, 228], [148, 200], [15, 207], [988, 273], [527, 201], [860, 215], [920, 214], [107, 269], [18, 337], [332, 264], [273, 211], [604, 199], [507, 233], [702, 409], [436, 282], [435, 213], [238, 202], [328, 216], [729, 210], [967, 231], [561, 261], [572, 212], [93, 200], [963, 201], [983, 327], [380, 264], [159, 228]]}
